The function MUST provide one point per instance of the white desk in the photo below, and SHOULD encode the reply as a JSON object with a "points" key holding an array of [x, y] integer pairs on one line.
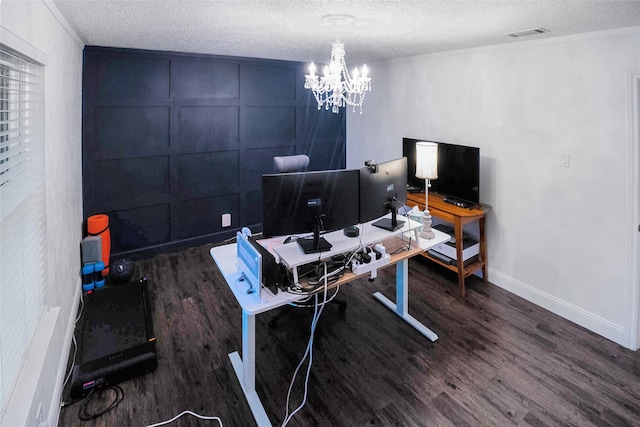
{"points": [[292, 256]]}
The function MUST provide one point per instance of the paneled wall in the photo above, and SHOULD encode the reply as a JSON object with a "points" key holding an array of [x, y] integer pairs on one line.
{"points": [[172, 141]]}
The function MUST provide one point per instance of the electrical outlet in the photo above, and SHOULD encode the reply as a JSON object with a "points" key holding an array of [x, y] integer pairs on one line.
{"points": [[226, 220], [565, 160]]}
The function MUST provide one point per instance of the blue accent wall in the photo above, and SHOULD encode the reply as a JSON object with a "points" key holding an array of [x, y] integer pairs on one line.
{"points": [[171, 141]]}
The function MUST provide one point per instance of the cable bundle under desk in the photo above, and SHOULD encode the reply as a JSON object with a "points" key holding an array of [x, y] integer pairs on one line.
{"points": [[310, 277], [345, 267], [365, 259]]}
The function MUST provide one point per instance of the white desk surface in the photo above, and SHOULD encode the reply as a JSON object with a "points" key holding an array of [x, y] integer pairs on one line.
{"points": [[225, 257], [291, 254]]}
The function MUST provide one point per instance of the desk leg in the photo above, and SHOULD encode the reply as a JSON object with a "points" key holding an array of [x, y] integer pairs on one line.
{"points": [[402, 299], [245, 369]]}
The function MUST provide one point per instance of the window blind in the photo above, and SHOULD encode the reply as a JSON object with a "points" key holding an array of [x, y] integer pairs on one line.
{"points": [[22, 211]]}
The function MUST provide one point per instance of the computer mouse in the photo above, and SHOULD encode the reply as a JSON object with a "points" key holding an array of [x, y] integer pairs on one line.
{"points": [[290, 239]]}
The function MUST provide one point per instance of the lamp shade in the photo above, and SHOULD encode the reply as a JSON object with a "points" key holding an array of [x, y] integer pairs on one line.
{"points": [[426, 160]]}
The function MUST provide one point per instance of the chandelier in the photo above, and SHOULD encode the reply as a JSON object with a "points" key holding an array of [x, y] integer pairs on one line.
{"points": [[337, 88]]}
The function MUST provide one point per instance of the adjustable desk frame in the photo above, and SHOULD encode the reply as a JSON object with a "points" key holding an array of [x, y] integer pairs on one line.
{"points": [[225, 258]]}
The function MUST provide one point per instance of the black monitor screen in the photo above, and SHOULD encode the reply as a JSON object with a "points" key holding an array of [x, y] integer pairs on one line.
{"points": [[383, 188], [303, 202], [458, 170]]}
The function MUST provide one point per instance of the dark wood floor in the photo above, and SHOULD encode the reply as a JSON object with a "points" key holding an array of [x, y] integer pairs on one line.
{"points": [[500, 360]]}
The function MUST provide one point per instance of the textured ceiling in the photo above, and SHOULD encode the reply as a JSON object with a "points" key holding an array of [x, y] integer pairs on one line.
{"points": [[372, 30]]}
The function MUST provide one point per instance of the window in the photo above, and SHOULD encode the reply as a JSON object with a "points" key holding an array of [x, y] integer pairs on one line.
{"points": [[22, 211]]}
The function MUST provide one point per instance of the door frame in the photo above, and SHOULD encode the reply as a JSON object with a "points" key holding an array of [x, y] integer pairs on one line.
{"points": [[632, 297]]}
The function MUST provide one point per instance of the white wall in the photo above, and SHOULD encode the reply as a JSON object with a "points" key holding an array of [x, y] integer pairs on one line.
{"points": [[38, 24], [559, 237]]}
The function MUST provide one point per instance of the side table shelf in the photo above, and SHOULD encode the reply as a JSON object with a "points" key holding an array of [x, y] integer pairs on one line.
{"points": [[458, 217]]}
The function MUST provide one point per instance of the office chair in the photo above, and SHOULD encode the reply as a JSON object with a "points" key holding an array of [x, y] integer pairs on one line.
{"points": [[288, 164]]}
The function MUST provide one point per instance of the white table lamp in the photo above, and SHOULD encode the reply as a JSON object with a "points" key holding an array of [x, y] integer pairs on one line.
{"points": [[427, 169]]}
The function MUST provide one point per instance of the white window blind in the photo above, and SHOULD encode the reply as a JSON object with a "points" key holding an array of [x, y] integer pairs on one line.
{"points": [[22, 211]]}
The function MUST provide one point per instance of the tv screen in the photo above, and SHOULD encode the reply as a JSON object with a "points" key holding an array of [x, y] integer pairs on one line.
{"points": [[383, 187], [458, 171], [305, 202]]}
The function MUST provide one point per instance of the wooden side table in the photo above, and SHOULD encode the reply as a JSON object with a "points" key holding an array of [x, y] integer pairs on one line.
{"points": [[458, 217]]}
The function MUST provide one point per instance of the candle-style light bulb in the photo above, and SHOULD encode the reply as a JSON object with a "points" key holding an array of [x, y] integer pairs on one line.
{"points": [[365, 70], [312, 69]]}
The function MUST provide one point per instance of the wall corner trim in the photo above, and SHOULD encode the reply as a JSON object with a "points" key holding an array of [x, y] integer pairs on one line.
{"points": [[65, 24]]}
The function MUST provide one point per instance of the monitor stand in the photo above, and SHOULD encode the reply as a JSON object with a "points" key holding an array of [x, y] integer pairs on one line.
{"points": [[391, 224], [312, 245], [309, 247]]}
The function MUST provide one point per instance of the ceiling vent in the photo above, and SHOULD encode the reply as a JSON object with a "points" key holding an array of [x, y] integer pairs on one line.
{"points": [[528, 32]]}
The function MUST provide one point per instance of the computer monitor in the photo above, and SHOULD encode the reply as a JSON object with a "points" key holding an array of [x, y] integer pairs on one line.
{"points": [[305, 202], [383, 188]]}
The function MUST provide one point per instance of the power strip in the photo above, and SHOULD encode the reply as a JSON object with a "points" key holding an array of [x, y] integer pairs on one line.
{"points": [[359, 268]]}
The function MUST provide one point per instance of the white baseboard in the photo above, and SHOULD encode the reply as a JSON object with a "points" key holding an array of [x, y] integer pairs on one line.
{"points": [[562, 308], [27, 406], [56, 400], [23, 410]]}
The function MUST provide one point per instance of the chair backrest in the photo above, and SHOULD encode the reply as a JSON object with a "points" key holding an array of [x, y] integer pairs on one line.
{"points": [[297, 163]]}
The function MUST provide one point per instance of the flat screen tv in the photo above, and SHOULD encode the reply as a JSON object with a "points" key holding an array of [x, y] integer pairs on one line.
{"points": [[383, 188], [458, 171], [310, 202]]}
